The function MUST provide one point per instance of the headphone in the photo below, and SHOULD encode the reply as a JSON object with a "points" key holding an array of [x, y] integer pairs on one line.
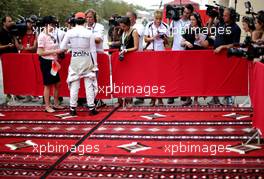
{"points": [[233, 14], [249, 21]]}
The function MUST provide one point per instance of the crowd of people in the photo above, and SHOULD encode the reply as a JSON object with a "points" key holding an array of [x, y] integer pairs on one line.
{"points": [[84, 38]]}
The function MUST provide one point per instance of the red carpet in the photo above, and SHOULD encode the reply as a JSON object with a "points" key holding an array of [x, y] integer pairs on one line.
{"points": [[185, 144]]}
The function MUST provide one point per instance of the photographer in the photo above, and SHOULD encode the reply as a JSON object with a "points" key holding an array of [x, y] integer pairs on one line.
{"points": [[193, 39], [8, 42], [156, 37], [226, 38], [129, 43]]}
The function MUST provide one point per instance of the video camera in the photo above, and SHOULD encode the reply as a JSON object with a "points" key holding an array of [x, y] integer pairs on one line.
{"points": [[218, 12], [250, 9], [20, 26], [174, 12], [114, 20], [247, 49]]}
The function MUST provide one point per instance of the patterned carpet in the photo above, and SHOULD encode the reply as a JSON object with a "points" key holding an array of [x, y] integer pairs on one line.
{"points": [[125, 143]]}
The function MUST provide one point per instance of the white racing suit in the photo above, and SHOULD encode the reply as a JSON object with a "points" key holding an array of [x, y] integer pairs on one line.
{"points": [[83, 64]]}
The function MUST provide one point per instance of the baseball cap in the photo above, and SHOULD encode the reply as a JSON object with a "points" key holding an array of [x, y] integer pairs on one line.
{"points": [[80, 15]]}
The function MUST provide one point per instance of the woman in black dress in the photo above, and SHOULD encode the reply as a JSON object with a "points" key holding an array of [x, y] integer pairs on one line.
{"points": [[129, 43]]}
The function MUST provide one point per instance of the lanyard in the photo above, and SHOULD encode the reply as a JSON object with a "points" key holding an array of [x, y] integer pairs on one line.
{"points": [[92, 28]]}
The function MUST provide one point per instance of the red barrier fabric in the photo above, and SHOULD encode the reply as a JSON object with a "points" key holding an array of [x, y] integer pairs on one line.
{"points": [[179, 73], [258, 96], [22, 75]]}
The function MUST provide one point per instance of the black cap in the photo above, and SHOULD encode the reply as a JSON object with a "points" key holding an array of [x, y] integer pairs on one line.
{"points": [[49, 20]]}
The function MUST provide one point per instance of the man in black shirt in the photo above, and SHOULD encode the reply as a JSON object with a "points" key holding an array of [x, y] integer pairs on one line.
{"points": [[227, 34], [8, 43]]}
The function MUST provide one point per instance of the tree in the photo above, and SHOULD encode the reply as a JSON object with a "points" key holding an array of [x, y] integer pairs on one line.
{"points": [[62, 8]]}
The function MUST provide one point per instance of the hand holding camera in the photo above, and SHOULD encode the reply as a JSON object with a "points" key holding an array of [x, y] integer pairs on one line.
{"points": [[122, 54]]}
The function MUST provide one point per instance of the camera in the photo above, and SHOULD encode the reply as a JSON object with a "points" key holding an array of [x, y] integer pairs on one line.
{"points": [[248, 50], [251, 53], [174, 12], [218, 12], [19, 28], [121, 56], [114, 21], [250, 9], [213, 11]]}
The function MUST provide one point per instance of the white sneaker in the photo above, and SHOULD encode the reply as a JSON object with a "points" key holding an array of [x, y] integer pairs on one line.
{"points": [[13, 103]]}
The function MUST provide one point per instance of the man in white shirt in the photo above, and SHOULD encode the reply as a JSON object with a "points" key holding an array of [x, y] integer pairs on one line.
{"points": [[82, 63], [178, 27], [156, 33], [96, 28], [138, 26]]}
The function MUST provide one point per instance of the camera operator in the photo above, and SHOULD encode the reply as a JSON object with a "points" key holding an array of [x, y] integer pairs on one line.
{"points": [[156, 37], [193, 39], [8, 42], [129, 43], [226, 39], [177, 28], [115, 32]]}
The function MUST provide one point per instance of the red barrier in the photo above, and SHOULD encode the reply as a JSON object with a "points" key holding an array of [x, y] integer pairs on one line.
{"points": [[181, 73], [258, 96], [22, 75]]}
